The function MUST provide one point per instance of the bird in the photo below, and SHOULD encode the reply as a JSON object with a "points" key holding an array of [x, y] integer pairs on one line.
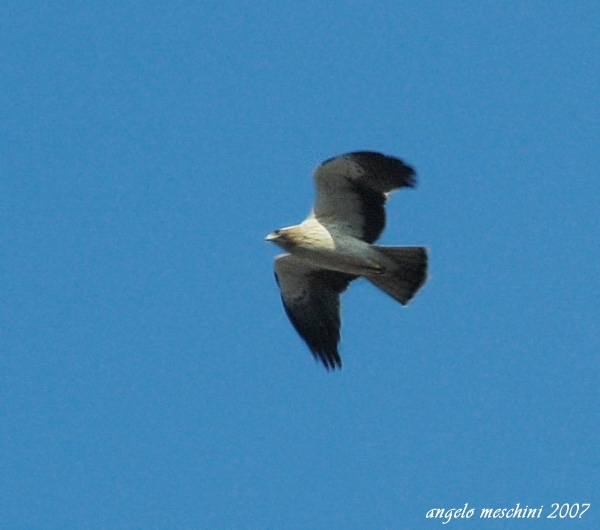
{"points": [[334, 246]]}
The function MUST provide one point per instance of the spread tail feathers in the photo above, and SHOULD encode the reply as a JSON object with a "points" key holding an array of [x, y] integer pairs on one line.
{"points": [[402, 282]]}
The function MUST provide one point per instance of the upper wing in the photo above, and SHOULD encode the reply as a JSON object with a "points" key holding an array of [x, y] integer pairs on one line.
{"points": [[352, 188], [311, 300]]}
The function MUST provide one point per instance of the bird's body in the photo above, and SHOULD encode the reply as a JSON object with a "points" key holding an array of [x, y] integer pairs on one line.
{"points": [[313, 243], [333, 246]]}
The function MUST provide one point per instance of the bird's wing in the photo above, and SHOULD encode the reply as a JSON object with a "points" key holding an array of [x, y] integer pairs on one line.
{"points": [[311, 300], [352, 189]]}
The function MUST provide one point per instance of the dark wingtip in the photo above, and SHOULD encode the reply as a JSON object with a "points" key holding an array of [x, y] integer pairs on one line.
{"points": [[329, 357], [376, 163], [404, 174], [323, 347], [331, 360]]}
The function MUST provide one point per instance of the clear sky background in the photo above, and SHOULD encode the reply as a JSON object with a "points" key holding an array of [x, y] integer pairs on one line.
{"points": [[149, 377]]}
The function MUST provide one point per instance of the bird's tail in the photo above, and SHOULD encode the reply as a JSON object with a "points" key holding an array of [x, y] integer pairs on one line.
{"points": [[402, 282]]}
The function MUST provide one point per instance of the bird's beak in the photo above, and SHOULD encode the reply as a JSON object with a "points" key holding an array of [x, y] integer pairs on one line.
{"points": [[271, 237]]}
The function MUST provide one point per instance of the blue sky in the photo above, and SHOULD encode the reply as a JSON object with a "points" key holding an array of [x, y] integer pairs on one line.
{"points": [[149, 377]]}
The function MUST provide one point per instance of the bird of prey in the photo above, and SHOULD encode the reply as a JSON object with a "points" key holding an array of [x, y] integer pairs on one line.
{"points": [[333, 246]]}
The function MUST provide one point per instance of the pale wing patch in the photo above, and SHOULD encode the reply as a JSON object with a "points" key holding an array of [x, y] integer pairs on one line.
{"points": [[352, 190]]}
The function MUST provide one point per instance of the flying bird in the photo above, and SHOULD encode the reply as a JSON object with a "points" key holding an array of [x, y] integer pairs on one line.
{"points": [[333, 246]]}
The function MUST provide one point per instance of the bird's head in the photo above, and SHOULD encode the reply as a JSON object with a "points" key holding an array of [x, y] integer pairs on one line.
{"points": [[282, 237], [272, 236]]}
